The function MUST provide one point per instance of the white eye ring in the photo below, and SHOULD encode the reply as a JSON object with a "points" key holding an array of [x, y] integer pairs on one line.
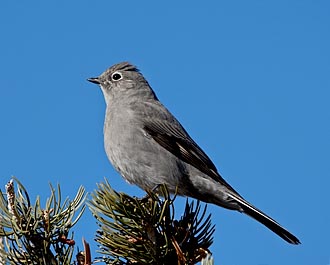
{"points": [[116, 76]]}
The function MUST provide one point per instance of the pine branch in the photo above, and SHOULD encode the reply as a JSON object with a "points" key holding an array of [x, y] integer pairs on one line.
{"points": [[144, 231], [35, 235]]}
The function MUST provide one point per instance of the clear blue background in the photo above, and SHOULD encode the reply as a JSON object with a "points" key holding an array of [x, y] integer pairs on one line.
{"points": [[248, 79]]}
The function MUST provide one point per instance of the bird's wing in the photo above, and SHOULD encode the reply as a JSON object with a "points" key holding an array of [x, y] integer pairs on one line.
{"points": [[177, 141]]}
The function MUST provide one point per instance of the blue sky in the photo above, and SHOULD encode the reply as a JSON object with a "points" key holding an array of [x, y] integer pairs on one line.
{"points": [[248, 79]]}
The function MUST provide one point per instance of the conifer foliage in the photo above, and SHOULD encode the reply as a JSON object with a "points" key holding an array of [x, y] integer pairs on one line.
{"points": [[131, 230], [145, 231], [34, 234]]}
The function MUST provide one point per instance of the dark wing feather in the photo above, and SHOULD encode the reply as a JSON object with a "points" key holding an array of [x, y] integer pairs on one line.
{"points": [[177, 141]]}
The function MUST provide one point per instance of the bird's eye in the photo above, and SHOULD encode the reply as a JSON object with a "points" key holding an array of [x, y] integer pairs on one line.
{"points": [[116, 76]]}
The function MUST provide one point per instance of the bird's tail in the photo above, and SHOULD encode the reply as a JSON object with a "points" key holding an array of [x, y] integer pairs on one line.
{"points": [[267, 221]]}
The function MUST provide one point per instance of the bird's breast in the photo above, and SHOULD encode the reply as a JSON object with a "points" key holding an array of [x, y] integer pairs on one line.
{"points": [[135, 155]]}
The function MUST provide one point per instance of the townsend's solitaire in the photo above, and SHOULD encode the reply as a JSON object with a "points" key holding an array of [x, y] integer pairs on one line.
{"points": [[148, 146]]}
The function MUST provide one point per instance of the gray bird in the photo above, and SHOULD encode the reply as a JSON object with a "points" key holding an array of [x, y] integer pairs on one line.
{"points": [[148, 146]]}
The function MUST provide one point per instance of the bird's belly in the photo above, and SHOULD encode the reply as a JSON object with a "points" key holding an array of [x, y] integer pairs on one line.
{"points": [[141, 161]]}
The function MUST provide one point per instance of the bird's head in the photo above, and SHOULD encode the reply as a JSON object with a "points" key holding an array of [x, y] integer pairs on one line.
{"points": [[122, 80]]}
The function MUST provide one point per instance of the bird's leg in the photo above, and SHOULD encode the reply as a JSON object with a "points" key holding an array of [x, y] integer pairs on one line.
{"points": [[155, 189]]}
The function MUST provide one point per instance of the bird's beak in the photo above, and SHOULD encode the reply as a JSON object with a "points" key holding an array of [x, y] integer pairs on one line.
{"points": [[94, 80]]}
